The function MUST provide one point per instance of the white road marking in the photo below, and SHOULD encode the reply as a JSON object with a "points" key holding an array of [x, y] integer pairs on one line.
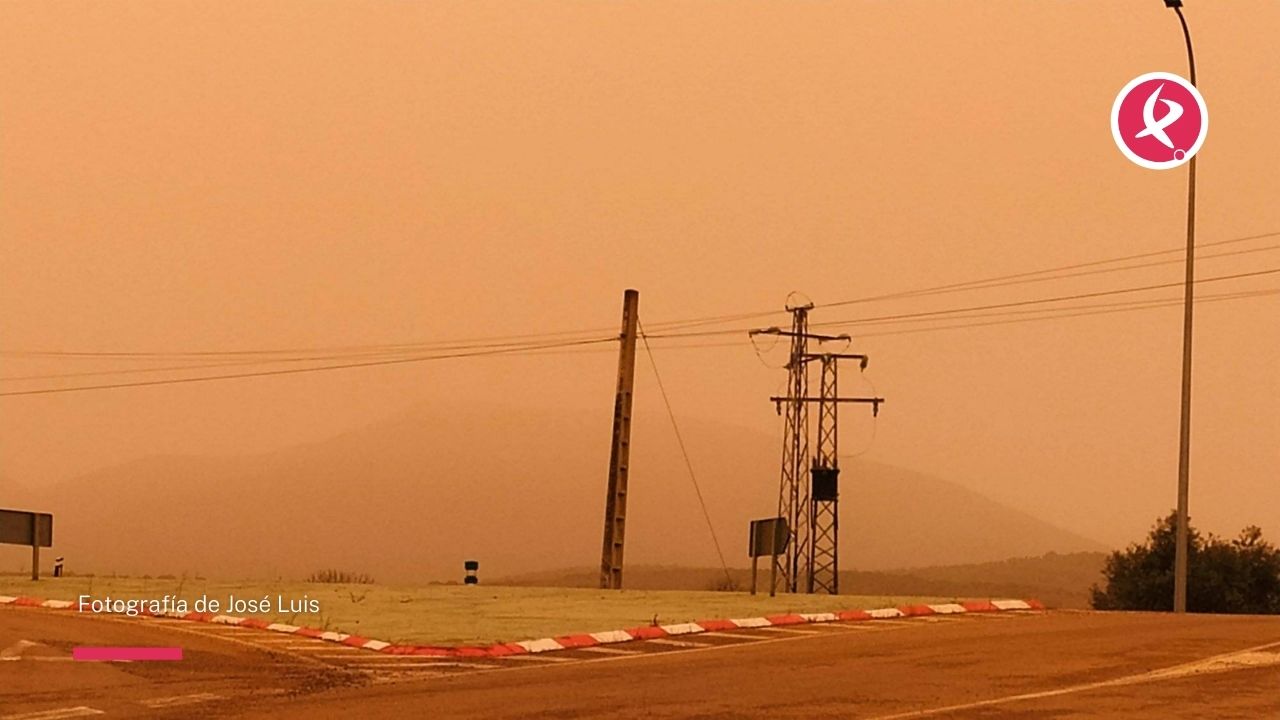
{"points": [[399, 666], [678, 643], [819, 617], [15, 650], [1247, 658], [543, 645], [737, 636], [608, 650], [797, 631], [177, 700], [835, 627], [536, 658], [422, 663], [612, 636], [37, 658], [73, 712], [394, 658]]}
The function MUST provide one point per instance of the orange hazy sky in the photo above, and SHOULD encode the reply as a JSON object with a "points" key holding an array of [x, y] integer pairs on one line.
{"points": [[189, 176]]}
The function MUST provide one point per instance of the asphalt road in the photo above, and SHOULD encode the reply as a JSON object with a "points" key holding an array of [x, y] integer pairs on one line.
{"points": [[38, 678], [1054, 665]]}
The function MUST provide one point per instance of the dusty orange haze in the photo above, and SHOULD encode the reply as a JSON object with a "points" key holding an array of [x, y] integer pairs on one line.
{"points": [[238, 175]]}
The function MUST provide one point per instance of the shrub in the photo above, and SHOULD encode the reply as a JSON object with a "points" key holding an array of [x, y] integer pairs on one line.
{"points": [[341, 577], [1236, 576], [724, 583]]}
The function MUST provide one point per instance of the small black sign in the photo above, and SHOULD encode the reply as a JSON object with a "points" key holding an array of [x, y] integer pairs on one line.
{"points": [[769, 537]]}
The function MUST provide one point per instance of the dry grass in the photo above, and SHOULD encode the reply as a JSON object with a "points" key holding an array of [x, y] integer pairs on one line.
{"points": [[456, 614]]}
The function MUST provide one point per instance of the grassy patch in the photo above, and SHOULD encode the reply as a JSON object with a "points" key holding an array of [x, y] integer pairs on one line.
{"points": [[454, 614]]}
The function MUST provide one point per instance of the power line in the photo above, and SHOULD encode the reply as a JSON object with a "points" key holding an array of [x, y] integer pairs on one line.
{"points": [[1055, 313], [1065, 312], [974, 284], [349, 350], [294, 371], [559, 348], [201, 366], [1032, 276], [986, 285], [685, 452], [1040, 301], [509, 345], [1065, 315], [991, 306], [490, 342], [519, 340], [1029, 276], [1050, 310]]}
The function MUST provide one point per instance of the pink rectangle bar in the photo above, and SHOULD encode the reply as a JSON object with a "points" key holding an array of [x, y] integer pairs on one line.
{"points": [[108, 654]]}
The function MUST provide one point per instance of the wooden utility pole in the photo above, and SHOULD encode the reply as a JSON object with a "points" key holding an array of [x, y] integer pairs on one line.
{"points": [[615, 507]]}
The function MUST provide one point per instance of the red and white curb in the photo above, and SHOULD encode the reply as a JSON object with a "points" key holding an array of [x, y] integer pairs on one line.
{"points": [[570, 642]]}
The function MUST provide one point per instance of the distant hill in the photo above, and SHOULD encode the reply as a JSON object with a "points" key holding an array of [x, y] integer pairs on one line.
{"points": [[411, 497], [1058, 580]]}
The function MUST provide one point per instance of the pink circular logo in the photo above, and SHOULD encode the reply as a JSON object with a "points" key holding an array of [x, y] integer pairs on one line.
{"points": [[1159, 120]]}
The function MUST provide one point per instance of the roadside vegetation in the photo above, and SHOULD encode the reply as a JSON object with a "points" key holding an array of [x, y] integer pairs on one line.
{"points": [[340, 577], [1224, 576]]}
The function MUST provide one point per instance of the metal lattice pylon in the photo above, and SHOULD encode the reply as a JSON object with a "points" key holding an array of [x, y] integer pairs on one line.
{"points": [[808, 494], [824, 516], [792, 568]]}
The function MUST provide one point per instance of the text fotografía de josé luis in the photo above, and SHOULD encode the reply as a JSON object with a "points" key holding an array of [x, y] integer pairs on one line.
{"points": [[266, 604]]}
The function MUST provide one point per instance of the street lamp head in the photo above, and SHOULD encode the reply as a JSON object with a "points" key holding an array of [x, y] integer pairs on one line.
{"points": [[1173, 3]]}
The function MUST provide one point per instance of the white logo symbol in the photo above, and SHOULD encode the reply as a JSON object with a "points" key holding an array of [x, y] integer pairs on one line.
{"points": [[1183, 111], [1156, 129]]}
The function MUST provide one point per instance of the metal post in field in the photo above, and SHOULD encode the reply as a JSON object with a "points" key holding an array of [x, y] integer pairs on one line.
{"points": [[35, 547]]}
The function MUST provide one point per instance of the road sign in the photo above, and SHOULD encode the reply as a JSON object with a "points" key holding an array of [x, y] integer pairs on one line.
{"points": [[19, 527], [769, 539]]}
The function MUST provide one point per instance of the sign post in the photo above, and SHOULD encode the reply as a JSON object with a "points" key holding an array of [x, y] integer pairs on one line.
{"points": [[19, 527], [769, 538]]}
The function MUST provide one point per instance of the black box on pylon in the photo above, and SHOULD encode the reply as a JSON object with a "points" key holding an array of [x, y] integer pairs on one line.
{"points": [[826, 483]]}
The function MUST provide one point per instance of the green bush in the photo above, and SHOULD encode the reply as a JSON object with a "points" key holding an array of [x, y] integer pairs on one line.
{"points": [[1236, 576]]}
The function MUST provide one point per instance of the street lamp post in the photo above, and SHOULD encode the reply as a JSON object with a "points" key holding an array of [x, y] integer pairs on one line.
{"points": [[1184, 435]]}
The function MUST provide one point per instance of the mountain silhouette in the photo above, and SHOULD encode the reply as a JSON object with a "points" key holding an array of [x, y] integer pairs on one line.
{"points": [[408, 499]]}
